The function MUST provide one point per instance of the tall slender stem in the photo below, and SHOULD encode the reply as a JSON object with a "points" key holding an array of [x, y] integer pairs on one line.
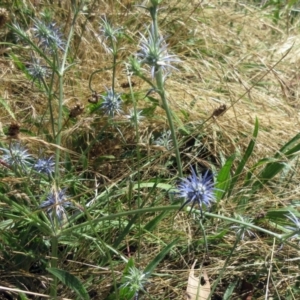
{"points": [[161, 90], [59, 128], [225, 266], [54, 256]]}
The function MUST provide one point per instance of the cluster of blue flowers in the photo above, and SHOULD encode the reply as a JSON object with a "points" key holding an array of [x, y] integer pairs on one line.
{"points": [[17, 157], [153, 53]]}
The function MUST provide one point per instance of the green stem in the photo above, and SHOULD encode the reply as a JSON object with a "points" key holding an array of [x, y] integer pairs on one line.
{"points": [[138, 163], [204, 236], [61, 73], [54, 257], [225, 266], [59, 127], [114, 53], [145, 210], [160, 86]]}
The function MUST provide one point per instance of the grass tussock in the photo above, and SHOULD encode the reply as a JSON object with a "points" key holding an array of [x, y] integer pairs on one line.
{"points": [[92, 149]]}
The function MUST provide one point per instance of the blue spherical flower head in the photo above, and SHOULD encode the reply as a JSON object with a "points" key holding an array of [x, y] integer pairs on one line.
{"points": [[16, 156], [197, 190], [37, 71], [154, 52], [55, 205], [49, 36], [111, 104], [45, 165]]}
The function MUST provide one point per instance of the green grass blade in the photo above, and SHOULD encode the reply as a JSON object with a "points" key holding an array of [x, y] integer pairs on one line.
{"points": [[229, 290], [7, 108], [71, 281], [287, 152], [289, 145], [224, 179], [126, 230], [152, 265], [133, 220], [245, 158], [154, 222]]}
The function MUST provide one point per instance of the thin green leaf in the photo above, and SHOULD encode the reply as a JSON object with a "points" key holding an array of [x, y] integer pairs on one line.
{"points": [[287, 152], [6, 106], [289, 145], [126, 230], [224, 178], [154, 222], [132, 222], [229, 290], [245, 158], [71, 281], [152, 265]]}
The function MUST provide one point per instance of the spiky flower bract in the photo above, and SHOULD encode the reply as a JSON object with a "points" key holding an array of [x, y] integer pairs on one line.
{"points": [[242, 230], [153, 52], [37, 71], [135, 280], [165, 140], [108, 31], [20, 34], [111, 103], [197, 189], [132, 117], [16, 156], [49, 36], [44, 165], [134, 66], [296, 221], [55, 204]]}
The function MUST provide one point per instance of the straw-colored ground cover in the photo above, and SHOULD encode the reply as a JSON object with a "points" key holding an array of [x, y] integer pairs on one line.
{"points": [[238, 64]]}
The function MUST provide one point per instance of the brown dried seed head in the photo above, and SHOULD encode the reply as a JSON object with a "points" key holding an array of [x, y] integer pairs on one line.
{"points": [[219, 111], [76, 110], [4, 17], [94, 98], [13, 130]]}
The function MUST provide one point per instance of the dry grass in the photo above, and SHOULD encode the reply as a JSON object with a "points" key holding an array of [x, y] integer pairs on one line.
{"points": [[228, 55]]}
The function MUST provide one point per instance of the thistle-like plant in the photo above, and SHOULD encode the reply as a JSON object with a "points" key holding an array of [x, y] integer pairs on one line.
{"points": [[111, 104], [55, 204], [296, 228], [109, 43], [132, 117], [48, 36], [243, 230], [165, 140], [135, 280], [197, 189], [45, 165], [154, 52], [37, 71], [16, 156], [108, 31]]}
